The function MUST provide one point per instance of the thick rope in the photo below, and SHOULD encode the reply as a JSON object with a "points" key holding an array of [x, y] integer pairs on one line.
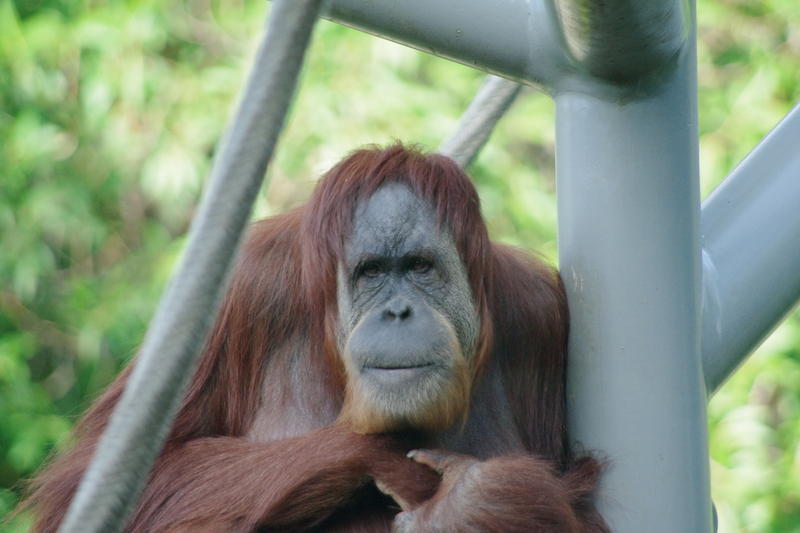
{"points": [[111, 486], [489, 105]]}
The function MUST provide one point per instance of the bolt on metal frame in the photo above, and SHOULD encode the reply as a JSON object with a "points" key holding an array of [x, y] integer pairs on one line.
{"points": [[666, 298]]}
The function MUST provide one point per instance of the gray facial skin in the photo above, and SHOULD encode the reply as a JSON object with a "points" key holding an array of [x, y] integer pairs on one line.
{"points": [[408, 322]]}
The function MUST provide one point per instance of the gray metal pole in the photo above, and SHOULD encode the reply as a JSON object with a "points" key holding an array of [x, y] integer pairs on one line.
{"points": [[751, 250], [514, 38], [628, 209], [139, 424], [628, 193]]}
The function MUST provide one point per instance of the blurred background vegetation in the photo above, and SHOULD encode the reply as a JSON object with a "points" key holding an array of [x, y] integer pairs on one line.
{"points": [[109, 114]]}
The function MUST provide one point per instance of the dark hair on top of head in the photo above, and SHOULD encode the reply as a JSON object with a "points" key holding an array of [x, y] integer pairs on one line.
{"points": [[434, 178]]}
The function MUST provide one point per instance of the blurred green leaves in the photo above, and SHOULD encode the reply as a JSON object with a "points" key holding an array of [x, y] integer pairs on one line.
{"points": [[109, 114]]}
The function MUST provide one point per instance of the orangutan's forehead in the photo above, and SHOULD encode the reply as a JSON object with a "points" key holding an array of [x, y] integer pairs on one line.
{"points": [[393, 221]]}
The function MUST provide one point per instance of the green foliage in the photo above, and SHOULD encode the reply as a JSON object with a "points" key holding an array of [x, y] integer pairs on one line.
{"points": [[109, 114]]}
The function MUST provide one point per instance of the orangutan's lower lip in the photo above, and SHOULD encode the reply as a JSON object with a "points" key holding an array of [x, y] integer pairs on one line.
{"points": [[396, 367], [396, 374]]}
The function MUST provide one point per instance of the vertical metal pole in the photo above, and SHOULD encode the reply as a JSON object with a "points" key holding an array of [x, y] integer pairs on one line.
{"points": [[629, 248]]}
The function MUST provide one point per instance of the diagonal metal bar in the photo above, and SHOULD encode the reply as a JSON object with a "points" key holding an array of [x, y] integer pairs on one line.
{"points": [[751, 251], [516, 39], [477, 123], [111, 485]]}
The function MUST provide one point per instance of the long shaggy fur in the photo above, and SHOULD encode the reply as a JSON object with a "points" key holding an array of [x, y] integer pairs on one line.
{"points": [[273, 351]]}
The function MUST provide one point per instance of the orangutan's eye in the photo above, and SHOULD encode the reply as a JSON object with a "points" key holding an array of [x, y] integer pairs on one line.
{"points": [[370, 269], [421, 266]]}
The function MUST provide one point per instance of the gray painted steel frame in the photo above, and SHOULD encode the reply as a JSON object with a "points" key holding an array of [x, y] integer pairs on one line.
{"points": [[630, 257], [629, 251], [515, 39], [751, 250], [623, 75]]}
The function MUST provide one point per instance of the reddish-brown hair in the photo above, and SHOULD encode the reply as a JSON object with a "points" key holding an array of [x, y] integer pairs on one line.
{"points": [[283, 294], [513, 292]]}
